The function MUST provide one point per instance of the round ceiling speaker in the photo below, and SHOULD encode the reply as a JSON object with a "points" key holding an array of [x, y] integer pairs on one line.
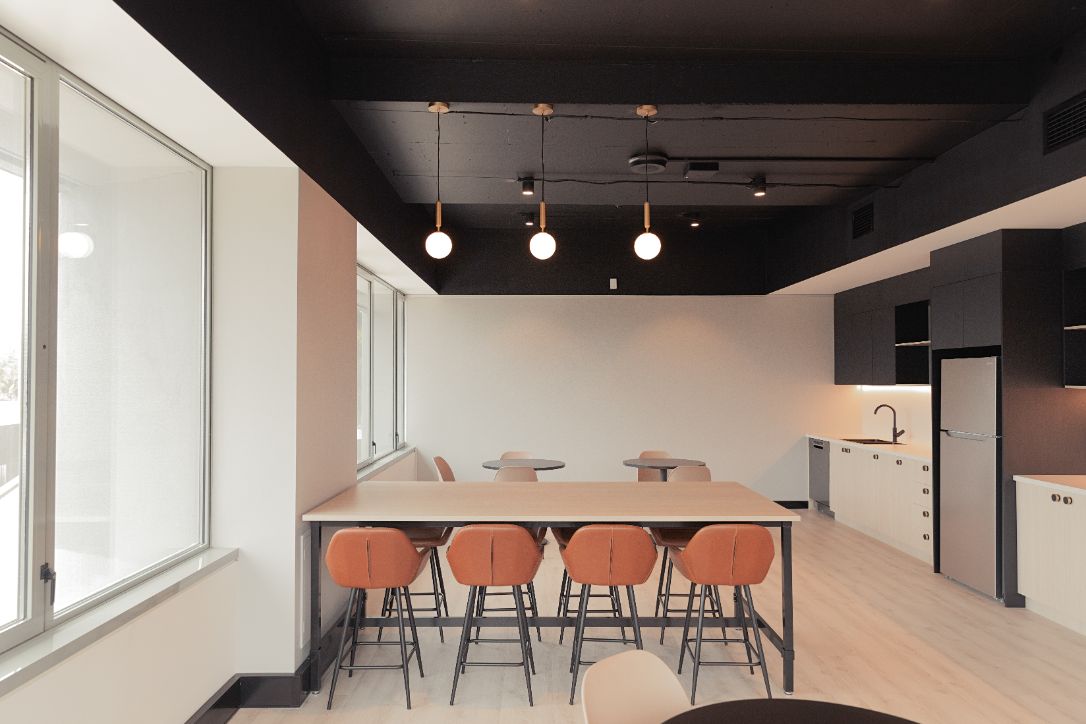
{"points": [[650, 163]]}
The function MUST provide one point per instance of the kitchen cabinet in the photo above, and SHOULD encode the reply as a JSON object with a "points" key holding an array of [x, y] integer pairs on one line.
{"points": [[883, 495], [1052, 551], [967, 313]]}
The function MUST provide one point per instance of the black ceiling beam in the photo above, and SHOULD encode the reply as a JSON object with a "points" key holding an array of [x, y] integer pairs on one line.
{"points": [[909, 82]]}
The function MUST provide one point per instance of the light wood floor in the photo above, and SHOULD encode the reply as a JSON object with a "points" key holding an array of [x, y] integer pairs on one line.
{"points": [[874, 628]]}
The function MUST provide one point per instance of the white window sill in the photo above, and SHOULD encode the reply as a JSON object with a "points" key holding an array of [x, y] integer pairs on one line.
{"points": [[383, 462], [27, 660]]}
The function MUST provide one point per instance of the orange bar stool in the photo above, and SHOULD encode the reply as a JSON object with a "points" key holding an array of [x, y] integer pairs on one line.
{"points": [[565, 593], [432, 538], [612, 556], [725, 555], [365, 558], [481, 556]]}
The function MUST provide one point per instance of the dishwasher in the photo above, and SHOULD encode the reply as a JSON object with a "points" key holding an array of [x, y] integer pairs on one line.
{"points": [[818, 474]]}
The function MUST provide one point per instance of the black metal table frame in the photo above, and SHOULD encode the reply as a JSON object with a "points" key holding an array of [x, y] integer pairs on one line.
{"points": [[783, 641]]}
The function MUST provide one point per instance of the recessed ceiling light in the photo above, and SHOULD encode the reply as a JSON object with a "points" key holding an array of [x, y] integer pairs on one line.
{"points": [[529, 219], [759, 185], [527, 187]]}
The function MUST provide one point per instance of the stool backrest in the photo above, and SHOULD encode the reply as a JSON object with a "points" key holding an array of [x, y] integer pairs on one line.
{"points": [[516, 455], [690, 474], [372, 558], [498, 554], [444, 470], [516, 474], [634, 687], [729, 555], [649, 475], [610, 555]]}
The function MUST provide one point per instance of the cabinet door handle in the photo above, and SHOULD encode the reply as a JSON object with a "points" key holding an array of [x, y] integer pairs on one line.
{"points": [[927, 537], [845, 450], [1055, 497], [926, 491], [927, 514], [1068, 500], [927, 468], [898, 462], [875, 456]]}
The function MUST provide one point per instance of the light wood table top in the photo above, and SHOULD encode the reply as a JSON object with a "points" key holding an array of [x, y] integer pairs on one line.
{"points": [[557, 502]]}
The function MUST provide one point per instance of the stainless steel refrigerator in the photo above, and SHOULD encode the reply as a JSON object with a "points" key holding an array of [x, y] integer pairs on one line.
{"points": [[968, 472]]}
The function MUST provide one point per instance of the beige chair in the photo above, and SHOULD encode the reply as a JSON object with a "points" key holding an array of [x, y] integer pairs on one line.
{"points": [[690, 474], [648, 474], [516, 455], [516, 474], [444, 471], [634, 687]]}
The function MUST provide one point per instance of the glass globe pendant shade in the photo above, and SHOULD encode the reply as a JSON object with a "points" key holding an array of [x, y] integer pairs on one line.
{"points": [[647, 245], [542, 245], [438, 244]]}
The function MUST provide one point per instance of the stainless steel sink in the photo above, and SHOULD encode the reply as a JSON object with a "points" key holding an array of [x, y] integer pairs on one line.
{"points": [[869, 441]]}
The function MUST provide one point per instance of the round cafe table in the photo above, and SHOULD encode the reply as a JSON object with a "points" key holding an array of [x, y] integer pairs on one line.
{"points": [[783, 711], [535, 463], [661, 464]]}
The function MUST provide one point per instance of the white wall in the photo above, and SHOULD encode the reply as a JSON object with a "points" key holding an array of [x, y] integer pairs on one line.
{"points": [[160, 667], [735, 381], [254, 406]]}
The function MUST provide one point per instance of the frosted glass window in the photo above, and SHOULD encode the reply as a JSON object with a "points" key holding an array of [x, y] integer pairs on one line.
{"points": [[384, 369], [129, 397], [364, 449], [13, 246]]}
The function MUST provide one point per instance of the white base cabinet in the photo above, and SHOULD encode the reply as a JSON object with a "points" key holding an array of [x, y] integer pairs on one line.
{"points": [[883, 495], [1052, 551]]}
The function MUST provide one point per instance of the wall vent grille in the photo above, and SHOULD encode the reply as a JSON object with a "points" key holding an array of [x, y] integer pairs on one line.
{"points": [[1065, 123], [863, 220]]}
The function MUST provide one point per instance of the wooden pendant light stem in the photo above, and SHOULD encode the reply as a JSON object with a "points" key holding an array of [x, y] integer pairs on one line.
{"points": [[647, 216], [437, 214], [542, 215]]}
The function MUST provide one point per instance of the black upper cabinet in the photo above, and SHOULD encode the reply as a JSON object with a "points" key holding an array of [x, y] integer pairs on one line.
{"points": [[968, 313], [869, 323]]}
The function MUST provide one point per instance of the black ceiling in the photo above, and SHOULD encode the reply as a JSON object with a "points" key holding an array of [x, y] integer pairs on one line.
{"points": [[830, 100]]}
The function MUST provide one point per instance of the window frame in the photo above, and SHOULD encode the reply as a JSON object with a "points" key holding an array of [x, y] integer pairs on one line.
{"points": [[399, 322], [40, 329]]}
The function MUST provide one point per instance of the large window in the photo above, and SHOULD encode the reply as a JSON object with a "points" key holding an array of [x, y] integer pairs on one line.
{"points": [[103, 361], [380, 368]]}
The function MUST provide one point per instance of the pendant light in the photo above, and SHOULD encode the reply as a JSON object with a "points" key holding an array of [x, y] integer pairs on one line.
{"points": [[438, 243], [542, 245], [647, 245]]}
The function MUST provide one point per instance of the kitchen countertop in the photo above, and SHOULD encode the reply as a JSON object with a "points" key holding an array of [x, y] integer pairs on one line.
{"points": [[913, 450], [1066, 481]]}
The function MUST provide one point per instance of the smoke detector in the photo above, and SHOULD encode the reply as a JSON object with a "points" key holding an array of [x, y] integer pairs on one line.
{"points": [[649, 163]]}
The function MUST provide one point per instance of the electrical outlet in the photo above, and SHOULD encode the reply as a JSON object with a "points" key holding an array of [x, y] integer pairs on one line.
{"points": [[614, 283]]}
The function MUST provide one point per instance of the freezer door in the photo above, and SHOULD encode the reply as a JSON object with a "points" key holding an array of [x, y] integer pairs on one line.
{"points": [[967, 510], [968, 395]]}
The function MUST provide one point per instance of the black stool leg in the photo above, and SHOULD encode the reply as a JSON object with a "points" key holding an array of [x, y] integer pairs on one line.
{"points": [[758, 641], [578, 639], [386, 611], [660, 584], [414, 631], [616, 606], [697, 647], [342, 643], [465, 634], [403, 648], [480, 608], [535, 611], [525, 639], [740, 612], [564, 603], [633, 615], [441, 583], [361, 612], [720, 612], [686, 627], [667, 597], [437, 592]]}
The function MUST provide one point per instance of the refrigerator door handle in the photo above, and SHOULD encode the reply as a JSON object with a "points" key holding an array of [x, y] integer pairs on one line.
{"points": [[974, 436]]}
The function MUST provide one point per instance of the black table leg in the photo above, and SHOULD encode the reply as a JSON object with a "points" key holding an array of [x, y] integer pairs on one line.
{"points": [[789, 653], [314, 683]]}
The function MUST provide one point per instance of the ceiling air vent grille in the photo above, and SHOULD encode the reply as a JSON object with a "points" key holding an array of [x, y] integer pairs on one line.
{"points": [[863, 220], [1065, 123]]}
